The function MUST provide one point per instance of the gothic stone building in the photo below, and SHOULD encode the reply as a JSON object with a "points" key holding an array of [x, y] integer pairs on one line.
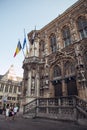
{"points": [[57, 61]]}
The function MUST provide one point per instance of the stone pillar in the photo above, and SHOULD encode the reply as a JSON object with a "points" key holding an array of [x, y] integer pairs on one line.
{"points": [[29, 84], [64, 88], [46, 45], [74, 32], [51, 87], [59, 38], [37, 85]]}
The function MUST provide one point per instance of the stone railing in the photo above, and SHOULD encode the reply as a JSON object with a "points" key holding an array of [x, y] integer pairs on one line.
{"points": [[81, 108], [57, 108], [31, 60], [30, 108], [64, 108]]}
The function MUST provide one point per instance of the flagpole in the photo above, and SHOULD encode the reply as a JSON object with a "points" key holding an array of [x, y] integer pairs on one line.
{"points": [[34, 42], [24, 32], [22, 51], [26, 44]]}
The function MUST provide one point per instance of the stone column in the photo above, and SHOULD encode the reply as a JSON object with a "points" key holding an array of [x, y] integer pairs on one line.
{"points": [[46, 44], [51, 87], [59, 38], [64, 89], [29, 84], [74, 32], [37, 85]]}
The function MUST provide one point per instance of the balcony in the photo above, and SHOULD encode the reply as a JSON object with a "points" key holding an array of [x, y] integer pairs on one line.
{"points": [[33, 59]]}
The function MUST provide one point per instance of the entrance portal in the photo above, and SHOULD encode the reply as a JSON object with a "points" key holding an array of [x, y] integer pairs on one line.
{"points": [[71, 87], [58, 89]]}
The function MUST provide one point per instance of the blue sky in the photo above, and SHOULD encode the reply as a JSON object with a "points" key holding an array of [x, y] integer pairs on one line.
{"points": [[15, 15]]}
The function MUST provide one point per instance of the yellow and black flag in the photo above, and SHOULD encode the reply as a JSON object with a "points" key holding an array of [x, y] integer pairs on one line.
{"points": [[18, 49]]}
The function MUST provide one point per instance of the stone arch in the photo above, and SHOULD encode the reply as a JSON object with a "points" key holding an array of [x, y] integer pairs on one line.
{"points": [[69, 68]]}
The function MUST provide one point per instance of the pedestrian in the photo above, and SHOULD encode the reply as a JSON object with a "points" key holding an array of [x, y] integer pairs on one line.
{"points": [[15, 110], [7, 112], [11, 113]]}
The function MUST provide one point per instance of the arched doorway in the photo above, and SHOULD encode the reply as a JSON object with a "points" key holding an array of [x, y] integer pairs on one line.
{"points": [[57, 81], [71, 86], [70, 79]]}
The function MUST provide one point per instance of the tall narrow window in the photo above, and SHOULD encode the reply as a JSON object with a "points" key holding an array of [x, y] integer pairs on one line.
{"points": [[69, 68], [6, 88], [53, 43], [57, 71], [66, 36], [1, 87], [85, 59], [42, 48], [82, 27]]}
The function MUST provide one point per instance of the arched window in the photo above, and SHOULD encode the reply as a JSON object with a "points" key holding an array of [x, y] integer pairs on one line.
{"points": [[42, 47], [85, 59], [82, 26], [69, 68], [42, 43], [53, 43], [66, 36], [57, 71]]}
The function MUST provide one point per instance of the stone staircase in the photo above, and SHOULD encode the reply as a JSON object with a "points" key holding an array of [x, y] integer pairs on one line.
{"points": [[70, 108]]}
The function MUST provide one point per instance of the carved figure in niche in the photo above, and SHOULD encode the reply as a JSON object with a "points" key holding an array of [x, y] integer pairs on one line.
{"points": [[79, 59], [77, 50], [33, 82], [82, 75], [46, 69], [78, 54]]}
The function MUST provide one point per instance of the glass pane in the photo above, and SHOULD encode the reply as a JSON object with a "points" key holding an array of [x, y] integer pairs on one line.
{"points": [[82, 34], [86, 31]]}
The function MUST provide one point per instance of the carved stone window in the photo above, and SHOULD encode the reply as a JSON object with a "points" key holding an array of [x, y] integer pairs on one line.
{"points": [[66, 36], [42, 47], [85, 59], [82, 26], [53, 43], [15, 89], [56, 71], [10, 89], [6, 88], [69, 68], [1, 87]]}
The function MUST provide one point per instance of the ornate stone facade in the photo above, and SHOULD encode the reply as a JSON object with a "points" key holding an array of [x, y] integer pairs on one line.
{"points": [[10, 87], [57, 61]]}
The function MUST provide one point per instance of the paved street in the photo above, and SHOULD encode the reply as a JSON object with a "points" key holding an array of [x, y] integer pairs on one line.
{"points": [[37, 124]]}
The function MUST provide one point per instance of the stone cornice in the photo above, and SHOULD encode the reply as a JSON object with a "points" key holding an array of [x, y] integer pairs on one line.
{"points": [[66, 12]]}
